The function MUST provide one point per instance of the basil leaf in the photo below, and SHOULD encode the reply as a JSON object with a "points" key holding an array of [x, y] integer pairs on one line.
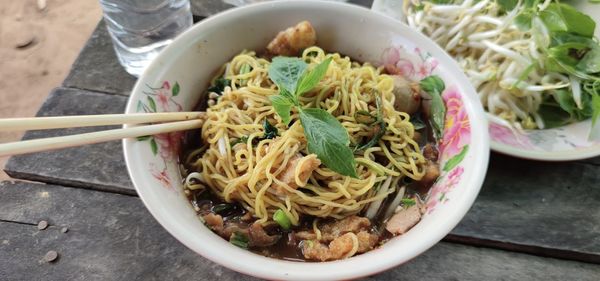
{"points": [[523, 20], [282, 106], [507, 5], [219, 85], [562, 17], [328, 139], [270, 130], [434, 85], [596, 109], [310, 79], [553, 116], [286, 72], [591, 61]]}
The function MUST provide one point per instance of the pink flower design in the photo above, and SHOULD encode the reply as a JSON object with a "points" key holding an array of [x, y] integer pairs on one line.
{"points": [[505, 135], [457, 128], [162, 96], [161, 175], [443, 187], [166, 85], [169, 145], [398, 61]]}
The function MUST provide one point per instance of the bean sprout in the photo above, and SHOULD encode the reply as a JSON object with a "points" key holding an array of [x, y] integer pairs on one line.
{"points": [[503, 62]]}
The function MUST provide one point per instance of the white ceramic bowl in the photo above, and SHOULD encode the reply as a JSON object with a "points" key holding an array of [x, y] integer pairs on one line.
{"points": [[569, 142], [178, 76]]}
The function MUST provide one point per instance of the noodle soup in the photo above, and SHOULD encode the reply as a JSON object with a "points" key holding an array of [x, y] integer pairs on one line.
{"points": [[310, 155]]}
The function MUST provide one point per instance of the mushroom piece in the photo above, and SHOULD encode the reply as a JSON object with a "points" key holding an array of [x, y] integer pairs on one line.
{"points": [[407, 95]]}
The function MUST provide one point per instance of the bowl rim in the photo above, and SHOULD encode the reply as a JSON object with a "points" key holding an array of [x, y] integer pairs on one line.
{"points": [[549, 156], [354, 267]]}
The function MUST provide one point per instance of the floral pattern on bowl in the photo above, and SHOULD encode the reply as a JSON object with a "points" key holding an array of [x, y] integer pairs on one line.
{"points": [[568, 142], [454, 145], [168, 145]]}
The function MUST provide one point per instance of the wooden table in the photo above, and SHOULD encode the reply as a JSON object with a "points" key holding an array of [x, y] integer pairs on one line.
{"points": [[532, 220]]}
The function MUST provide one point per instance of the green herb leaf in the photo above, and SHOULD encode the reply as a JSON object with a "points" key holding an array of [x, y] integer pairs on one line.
{"points": [[270, 130], [456, 159], [407, 202], [417, 123], [563, 17], [151, 103], [596, 109], [286, 72], [220, 208], [434, 85], [591, 61], [328, 139], [282, 106], [553, 116], [523, 20], [143, 138], [239, 239], [219, 85], [310, 79], [175, 90], [282, 219], [507, 5], [153, 146], [364, 117], [243, 139]]}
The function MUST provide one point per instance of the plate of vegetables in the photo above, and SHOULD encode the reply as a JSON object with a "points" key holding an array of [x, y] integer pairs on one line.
{"points": [[534, 63]]}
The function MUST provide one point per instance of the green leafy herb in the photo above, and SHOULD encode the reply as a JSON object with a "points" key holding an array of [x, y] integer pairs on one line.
{"points": [[590, 63], [407, 202], [378, 130], [563, 17], [270, 130], [219, 85], [523, 20], [286, 72], [239, 239], [243, 139], [596, 109], [220, 208], [456, 159], [310, 79], [434, 86], [282, 219], [282, 106], [418, 124], [175, 90], [328, 139], [364, 117], [507, 5], [326, 136]]}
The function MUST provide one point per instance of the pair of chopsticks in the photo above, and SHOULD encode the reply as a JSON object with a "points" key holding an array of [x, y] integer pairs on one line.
{"points": [[176, 121]]}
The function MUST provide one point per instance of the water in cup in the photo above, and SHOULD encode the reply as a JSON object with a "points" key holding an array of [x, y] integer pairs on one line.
{"points": [[141, 28]]}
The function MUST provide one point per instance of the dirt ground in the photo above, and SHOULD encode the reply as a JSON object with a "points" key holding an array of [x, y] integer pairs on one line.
{"points": [[39, 40]]}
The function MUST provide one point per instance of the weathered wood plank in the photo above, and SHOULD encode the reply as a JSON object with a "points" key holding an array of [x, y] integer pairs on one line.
{"points": [[123, 242], [539, 207], [97, 68], [98, 166]]}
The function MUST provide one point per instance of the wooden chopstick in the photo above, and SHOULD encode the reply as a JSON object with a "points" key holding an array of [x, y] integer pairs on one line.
{"points": [[42, 123], [44, 144]]}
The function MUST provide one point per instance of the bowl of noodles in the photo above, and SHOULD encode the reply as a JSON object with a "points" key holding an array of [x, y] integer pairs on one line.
{"points": [[313, 161]]}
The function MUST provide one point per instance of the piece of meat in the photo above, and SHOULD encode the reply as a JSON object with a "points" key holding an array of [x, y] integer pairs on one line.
{"points": [[293, 40], [366, 241], [432, 172], [334, 229], [308, 164], [407, 95], [258, 237], [430, 152], [404, 220], [337, 249], [214, 222]]}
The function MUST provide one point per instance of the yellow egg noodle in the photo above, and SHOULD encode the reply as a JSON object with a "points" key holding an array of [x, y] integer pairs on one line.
{"points": [[250, 172]]}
